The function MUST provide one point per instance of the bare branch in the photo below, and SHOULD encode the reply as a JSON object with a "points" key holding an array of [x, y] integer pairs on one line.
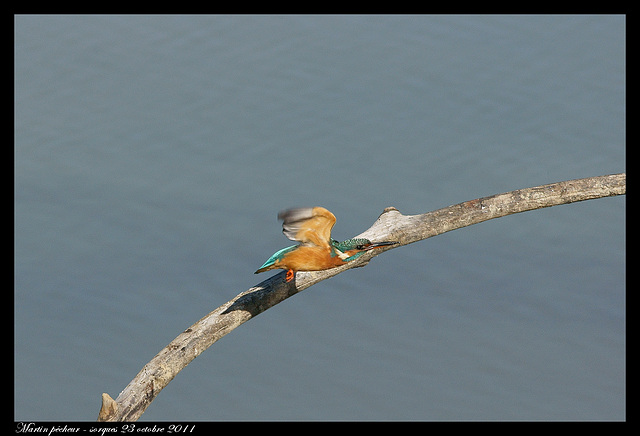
{"points": [[390, 226]]}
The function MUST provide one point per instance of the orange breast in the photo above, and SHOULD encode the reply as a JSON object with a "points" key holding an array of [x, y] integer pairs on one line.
{"points": [[311, 258]]}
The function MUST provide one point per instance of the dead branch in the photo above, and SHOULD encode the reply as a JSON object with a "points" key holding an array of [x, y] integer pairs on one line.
{"points": [[390, 226]]}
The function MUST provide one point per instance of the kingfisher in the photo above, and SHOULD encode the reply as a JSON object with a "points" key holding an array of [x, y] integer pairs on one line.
{"points": [[311, 226]]}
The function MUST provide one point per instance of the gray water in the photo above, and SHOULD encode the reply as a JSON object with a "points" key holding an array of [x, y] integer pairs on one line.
{"points": [[152, 154]]}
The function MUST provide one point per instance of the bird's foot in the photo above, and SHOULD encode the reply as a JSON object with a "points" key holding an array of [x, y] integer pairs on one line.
{"points": [[289, 276]]}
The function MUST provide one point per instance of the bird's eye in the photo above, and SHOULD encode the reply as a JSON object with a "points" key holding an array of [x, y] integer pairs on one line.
{"points": [[360, 247]]}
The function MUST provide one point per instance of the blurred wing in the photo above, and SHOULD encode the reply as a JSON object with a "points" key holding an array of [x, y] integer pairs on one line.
{"points": [[310, 225]]}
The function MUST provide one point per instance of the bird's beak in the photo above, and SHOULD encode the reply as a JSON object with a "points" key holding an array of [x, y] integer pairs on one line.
{"points": [[380, 244]]}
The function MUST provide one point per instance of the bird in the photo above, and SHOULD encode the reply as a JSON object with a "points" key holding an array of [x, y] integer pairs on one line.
{"points": [[317, 251]]}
